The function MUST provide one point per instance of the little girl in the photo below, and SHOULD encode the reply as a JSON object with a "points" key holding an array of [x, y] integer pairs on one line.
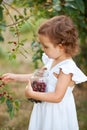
{"points": [[57, 111]]}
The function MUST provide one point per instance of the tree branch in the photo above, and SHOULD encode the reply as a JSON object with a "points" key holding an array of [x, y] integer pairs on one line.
{"points": [[16, 28], [12, 7]]}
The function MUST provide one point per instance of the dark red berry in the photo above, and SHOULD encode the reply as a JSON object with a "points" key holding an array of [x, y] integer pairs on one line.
{"points": [[3, 83], [15, 43], [42, 90], [34, 89], [39, 86], [11, 98], [4, 93], [13, 49], [0, 78], [8, 96], [1, 94]]}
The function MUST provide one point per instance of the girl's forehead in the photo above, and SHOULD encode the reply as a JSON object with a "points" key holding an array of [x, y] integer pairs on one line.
{"points": [[43, 38]]}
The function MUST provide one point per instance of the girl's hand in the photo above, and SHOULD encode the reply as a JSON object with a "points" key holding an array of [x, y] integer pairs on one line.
{"points": [[28, 90], [8, 77], [40, 72]]}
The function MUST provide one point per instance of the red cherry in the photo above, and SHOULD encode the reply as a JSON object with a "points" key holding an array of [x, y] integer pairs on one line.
{"points": [[13, 49], [42, 90], [4, 93], [3, 83], [0, 78], [1, 94], [8, 96], [11, 98], [15, 43], [34, 89]]}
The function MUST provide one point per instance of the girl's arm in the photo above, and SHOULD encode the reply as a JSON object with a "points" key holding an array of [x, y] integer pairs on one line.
{"points": [[56, 96], [16, 77], [19, 77]]}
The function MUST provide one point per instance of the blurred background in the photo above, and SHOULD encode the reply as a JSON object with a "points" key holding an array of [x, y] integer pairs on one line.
{"points": [[21, 53]]}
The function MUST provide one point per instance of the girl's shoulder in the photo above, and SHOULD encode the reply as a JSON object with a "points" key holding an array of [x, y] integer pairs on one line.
{"points": [[69, 66], [68, 63]]}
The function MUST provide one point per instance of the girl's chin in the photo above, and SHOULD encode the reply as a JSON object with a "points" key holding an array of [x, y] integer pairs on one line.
{"points": [[49, 56]]}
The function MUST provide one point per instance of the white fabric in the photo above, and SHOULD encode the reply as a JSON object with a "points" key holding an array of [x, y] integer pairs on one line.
{"points": [[62, 115]]}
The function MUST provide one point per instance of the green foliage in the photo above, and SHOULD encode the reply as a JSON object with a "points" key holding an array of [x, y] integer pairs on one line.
{"points": [[1, 13], [2, 53], [75, 9], [7, 97], [1, 1], [1, 23], [1, 38], [37, 53]]}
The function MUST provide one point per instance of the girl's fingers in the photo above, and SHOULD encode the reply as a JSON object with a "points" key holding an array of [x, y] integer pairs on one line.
{"points": [[4, 75], [5, 78], [29, 82], [29, 87]]}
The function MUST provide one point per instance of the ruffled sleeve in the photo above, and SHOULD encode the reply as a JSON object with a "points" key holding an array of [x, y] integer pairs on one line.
{"points": [[77, 75]]}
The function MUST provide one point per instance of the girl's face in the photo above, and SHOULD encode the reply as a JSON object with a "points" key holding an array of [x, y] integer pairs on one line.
{"points": [[48, 47]]}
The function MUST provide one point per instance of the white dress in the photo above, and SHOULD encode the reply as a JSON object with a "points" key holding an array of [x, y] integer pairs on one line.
{"points": [[62, 115]]}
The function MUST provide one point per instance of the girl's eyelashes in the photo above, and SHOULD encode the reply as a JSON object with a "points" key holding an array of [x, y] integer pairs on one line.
{"points": [[44, 46]]}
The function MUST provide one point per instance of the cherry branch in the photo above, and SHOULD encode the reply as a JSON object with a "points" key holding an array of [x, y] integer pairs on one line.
{"points": [[12, 7], [12, 21], [15, 23]]}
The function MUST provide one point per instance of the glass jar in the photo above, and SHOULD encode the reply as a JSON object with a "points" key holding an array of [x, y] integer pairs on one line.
{"points": [[39, 82]]}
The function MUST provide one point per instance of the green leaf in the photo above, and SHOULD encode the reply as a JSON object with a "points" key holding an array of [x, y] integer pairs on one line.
{"points": [[56, 2], [80, 5], [24, 40], [70, 5], [25, 11], [1, 38], [11, 113], [69, 0], [21, 17], [10, 42], [57, 7], [9, 105], [2, 27], [35, 57], [17, 103], [12, 56], [12, 29], [2, 99], [1, 13], [15, 17], [1, 1]]}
